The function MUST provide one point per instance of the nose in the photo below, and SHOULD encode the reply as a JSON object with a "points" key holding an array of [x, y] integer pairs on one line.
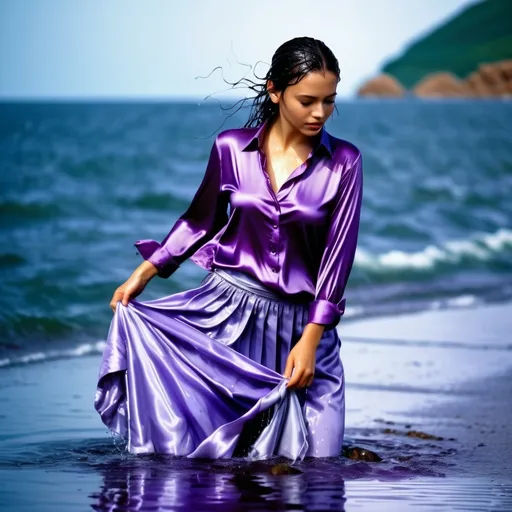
{"points": [[319, 112]]}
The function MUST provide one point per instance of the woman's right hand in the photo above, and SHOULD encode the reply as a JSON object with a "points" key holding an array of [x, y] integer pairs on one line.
{"points": [[134, 285]]}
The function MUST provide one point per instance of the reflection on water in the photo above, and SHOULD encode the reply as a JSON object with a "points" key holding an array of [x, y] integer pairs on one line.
{"points": [[164, 483], [95, 474], [161, 486]]}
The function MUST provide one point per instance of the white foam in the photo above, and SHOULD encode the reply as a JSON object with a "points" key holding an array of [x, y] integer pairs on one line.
{"points": [[462, 301], [482, 247], [353, 311], [81, 350]]}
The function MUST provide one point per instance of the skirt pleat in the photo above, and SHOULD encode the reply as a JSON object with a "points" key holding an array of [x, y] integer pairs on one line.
{"points": [[199, 374]]}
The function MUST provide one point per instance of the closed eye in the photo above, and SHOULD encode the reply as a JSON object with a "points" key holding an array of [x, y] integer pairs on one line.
{"points": [[307, 103]]}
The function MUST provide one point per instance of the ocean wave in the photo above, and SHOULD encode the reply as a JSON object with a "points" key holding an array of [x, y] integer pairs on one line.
{"points": [[85, 349], [156, 201], [359, 311], [355, 312], [34, 210], [14, 325], [482, 247], [9, 259], [462, 301]]}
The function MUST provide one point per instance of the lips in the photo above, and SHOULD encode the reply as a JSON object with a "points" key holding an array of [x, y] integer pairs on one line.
{"points": [[314, 125]]}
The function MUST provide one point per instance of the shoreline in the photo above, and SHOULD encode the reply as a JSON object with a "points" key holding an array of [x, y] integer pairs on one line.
{"points": [[432, 372], [453, 372]]}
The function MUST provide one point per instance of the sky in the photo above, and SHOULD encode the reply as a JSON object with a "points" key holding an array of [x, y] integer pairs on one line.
{"points": [[149, 49]]}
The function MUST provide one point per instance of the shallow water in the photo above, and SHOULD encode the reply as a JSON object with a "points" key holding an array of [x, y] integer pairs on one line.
{"points": [[109, 476], [78, 474], [56, 455]]}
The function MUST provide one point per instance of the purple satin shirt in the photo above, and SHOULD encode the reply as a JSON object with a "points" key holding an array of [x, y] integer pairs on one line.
{"points": [[299, 242]]}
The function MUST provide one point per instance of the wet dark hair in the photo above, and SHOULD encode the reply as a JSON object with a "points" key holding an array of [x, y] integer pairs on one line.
{"points": [[291, 62]]}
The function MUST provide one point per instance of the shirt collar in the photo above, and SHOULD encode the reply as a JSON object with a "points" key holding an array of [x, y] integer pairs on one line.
{"points": [[323, 139]]}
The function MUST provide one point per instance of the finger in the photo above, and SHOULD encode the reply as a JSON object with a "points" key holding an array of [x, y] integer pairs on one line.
{"points": [[113, 301], [306, 378], [113, 304], [126, 298], [289, 367], [302, 383], [296, 378], [310, 381]]}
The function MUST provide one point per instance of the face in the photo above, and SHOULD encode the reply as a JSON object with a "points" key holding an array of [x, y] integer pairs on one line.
{"points": [[308, 104]]}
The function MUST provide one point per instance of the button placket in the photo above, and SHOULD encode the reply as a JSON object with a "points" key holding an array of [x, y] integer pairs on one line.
{"points": [[274, 246], [274, 238]]}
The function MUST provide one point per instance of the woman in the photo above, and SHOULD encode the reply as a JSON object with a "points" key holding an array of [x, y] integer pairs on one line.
{"points": [[248, 363]]}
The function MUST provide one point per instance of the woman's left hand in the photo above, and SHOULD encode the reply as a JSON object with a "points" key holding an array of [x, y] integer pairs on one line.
{"points": [[301, 360]]}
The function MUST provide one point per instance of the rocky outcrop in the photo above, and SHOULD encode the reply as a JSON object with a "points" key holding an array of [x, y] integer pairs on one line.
{"points": [[476, 34], [382, 85], [489, 80], [440, 85]]}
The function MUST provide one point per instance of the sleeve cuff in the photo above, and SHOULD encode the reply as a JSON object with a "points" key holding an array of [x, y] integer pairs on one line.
{"points": [[153, 252], [326, 313]]}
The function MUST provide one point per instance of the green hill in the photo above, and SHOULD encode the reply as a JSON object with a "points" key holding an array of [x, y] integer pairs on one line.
{"points": [[481, 33]]}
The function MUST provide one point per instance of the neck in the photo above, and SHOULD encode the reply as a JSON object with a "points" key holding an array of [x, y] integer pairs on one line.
{"points": [[286, 136]]}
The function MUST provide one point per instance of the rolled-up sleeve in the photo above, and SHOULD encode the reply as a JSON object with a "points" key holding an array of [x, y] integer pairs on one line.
{"points": [[205, 216], [338, 256]]}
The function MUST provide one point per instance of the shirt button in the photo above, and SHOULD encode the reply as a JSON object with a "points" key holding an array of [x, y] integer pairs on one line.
{"points": [[273, 252], [274, 270], [275, 226]]}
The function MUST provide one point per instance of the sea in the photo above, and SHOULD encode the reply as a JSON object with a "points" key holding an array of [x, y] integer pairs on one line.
{"points": [[81, 181]]}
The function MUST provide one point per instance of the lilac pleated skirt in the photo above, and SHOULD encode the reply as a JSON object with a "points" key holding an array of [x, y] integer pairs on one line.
{"points": [[199, 374]]}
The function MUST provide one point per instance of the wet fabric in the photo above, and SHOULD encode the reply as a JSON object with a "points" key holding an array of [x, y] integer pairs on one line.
{"points": [[299, 241], [186, 373]]}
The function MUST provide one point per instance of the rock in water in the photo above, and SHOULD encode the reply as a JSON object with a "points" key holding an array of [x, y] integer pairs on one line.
{"points": [[423, 435], [284, 469], [358, 453]]}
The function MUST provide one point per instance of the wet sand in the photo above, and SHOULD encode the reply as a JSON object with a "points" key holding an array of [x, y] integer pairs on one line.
{"points": [[446, 373], [443, 373]]}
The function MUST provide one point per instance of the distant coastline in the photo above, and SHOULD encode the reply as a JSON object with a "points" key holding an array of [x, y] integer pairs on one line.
{"points": [[470, 56]]}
